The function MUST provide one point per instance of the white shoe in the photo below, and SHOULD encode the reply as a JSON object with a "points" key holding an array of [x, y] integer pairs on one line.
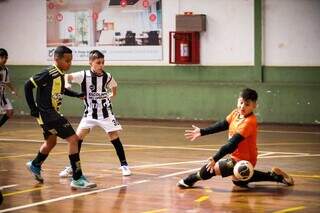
{"points": [[182, 184], [67, 172], [125, 170]]}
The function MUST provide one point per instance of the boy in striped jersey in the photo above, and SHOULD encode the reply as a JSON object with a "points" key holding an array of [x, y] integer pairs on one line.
{"points": [[95, 85], [50, 86], [5, 82]]}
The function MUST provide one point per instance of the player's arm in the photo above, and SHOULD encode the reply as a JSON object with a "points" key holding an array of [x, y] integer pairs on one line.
{"points": [[214, 128], [11, 87], [28, 91], [72, 93], [197, 132], [229, 147], [73, 78], [112, 84]]}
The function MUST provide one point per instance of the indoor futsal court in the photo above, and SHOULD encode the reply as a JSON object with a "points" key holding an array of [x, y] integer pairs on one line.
{"points": [[157, 164], [159, 106]]}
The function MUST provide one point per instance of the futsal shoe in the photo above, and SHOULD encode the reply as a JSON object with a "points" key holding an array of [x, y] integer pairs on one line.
{"points": [[183, 185], [35, 171], [82, 183], [67, 172], [125, 170], [286, 179]]}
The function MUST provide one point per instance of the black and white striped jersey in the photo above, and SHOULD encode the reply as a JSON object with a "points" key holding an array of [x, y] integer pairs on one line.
{"points": [[4, 79], [96, 89]]}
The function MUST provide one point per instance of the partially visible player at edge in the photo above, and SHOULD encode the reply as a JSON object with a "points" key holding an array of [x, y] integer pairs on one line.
{"points": [[5, 82], [242, 126], [98, 87], [50, 88]]}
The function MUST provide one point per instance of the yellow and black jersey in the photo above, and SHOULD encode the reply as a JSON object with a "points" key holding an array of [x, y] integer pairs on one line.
{"points": [[50, 89]]}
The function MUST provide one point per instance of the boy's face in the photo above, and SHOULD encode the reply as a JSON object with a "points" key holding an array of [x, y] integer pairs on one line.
{"points": [[97, 65], [3, 60], [245, 107], [64, 63]]}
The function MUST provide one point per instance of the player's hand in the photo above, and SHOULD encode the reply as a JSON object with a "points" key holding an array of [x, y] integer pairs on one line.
{"points": [[14, 93], [210, 165], [35, 113], [192, 134], [82, 96]]}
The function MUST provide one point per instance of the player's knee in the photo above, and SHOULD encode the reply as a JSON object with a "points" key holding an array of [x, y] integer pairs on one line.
{"points": [[10, 113], [204, 174], [113, 135]]}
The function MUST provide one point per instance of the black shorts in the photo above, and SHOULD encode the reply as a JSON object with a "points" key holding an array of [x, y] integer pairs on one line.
{"points": [[60, 127], [226, 166]]}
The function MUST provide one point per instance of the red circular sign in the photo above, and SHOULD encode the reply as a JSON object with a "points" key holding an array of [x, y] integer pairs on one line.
{"points": [[145, 3], [51, 5], [59, 17], [70, 29], [123, 3], [152, 17], [95, 16]]}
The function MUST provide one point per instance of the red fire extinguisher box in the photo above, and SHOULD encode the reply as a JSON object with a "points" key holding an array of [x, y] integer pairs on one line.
{"points": [[184, 47]]}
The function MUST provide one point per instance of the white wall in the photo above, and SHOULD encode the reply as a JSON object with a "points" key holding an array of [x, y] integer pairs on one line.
{"points": [[229, 39], [23, 31], [291, 34]]}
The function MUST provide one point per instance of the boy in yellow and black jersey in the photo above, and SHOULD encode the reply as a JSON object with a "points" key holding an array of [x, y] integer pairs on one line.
{"points": [[50, 88]]}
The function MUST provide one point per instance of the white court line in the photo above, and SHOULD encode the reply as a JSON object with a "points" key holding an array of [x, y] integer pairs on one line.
{"points": [[8, 186], [183, 128], [71, 196], [265, 154], [178, 173], [168, 164], [107, 144], [292, 156], [154, 147]]}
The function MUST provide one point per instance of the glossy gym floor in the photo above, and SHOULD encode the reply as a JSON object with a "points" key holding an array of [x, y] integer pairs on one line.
{"points": [[158, 156]]}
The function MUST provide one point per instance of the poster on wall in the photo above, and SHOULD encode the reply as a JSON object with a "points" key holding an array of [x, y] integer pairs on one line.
{"points": [[129, 30]]}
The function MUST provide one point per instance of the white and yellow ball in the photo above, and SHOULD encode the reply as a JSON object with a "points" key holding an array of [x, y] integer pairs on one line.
{"points": [[243, 170]]}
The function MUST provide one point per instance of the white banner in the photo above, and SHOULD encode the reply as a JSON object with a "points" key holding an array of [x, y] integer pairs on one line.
{"points": [[126, 30]]}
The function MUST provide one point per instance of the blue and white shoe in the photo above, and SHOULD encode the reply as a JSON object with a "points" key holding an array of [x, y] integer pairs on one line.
{"points": [[82, 183], [35, 171]]}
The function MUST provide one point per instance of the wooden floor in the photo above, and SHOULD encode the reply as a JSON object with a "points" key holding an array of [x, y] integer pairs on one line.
{"points": [[159, 156]]}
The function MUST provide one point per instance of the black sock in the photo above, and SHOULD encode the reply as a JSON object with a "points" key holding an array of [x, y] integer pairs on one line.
{"points": [[120, 152], [79, 145], [76, 166], [39, 159], [3, 119], [191, 179], [264, 176], [259, 176]]}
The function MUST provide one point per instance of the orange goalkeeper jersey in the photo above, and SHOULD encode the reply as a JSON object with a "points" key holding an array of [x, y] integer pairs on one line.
{"points": [[247, 127]]}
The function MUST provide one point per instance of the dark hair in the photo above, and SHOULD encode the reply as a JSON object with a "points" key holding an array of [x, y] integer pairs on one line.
{"points": [[60, 50], [3, 53], [249, 94], [95, 54]]}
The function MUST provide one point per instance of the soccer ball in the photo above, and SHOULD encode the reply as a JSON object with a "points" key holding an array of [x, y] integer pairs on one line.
{"points": [[243, 170]]}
